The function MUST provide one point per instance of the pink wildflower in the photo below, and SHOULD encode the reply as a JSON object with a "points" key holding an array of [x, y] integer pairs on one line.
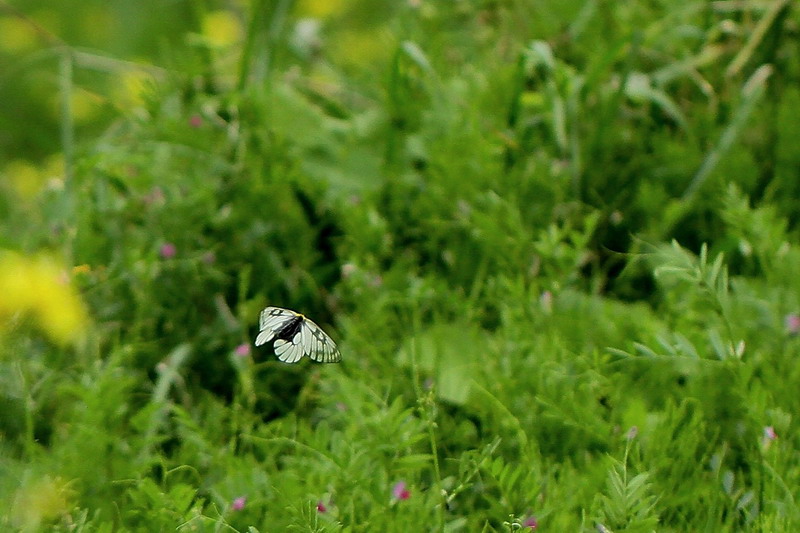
{"points": [[168, 250], [769, 433], [243, 350], [238, 503], [321, 507], [195, 121], [400, 492], [530, 523], [768, 436], [792, 321]]}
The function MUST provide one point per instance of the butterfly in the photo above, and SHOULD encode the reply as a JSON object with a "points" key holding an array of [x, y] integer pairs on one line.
{"points": [[295, 336]]}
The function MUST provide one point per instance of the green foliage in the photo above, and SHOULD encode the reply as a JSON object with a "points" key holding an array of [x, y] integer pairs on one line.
{"points": [[556, 243], [627, 504]]}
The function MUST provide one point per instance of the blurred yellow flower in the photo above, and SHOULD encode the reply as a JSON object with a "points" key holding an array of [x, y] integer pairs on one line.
{"points": [[37, 285], [39, 502], [362, 47], [319, 8], [84, 105], [128, 92], [25, 178], [16, 35], [533, 100], [81, 269], [222, 28]]}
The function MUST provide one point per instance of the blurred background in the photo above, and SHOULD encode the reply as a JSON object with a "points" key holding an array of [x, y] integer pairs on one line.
{"points": [[541, 233]]}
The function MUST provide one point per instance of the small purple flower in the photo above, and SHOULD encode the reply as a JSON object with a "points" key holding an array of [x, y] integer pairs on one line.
{"points": [[243, 350], [195, 121], [792, 321], [238, 503], [400, 492], [632, 433], [321, 507], [530, 523], [768, 436], [167, 250]]}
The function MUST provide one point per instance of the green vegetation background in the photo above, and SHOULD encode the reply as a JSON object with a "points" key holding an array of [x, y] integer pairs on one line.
{"points": [[556, 242]]}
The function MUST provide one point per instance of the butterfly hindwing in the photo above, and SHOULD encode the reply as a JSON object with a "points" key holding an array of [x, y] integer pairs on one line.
{"points": [[295, 336], [288, 351]]}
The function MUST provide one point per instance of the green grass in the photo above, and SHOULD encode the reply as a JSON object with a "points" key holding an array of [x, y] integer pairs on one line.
{"points": [[556, 242]]}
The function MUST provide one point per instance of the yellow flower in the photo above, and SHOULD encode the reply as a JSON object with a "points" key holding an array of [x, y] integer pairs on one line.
{"points": [[38, 286], [320, 8], [362, 47], [39, 502], [26, 179], [81, 269], [222, 28], [17, 35], [131, 86], [84, 105]]}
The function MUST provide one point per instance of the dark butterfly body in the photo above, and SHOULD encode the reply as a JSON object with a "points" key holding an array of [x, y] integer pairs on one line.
{"points": [[290, 329]]}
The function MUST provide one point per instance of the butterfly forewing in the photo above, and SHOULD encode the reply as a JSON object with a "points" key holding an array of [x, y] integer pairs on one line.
{"points": [[272, 316], [295, 336], [271, 321]]}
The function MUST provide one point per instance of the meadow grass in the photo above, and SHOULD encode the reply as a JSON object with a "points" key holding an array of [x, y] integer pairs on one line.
{"points": [[556, 243]]}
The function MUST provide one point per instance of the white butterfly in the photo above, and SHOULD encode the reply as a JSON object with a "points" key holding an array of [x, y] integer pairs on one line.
{"points": [[295, 336]]}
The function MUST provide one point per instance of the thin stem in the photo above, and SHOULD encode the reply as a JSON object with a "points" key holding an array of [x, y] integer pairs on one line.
{"points": [[65, 78], [65, 89], [429, 413]]}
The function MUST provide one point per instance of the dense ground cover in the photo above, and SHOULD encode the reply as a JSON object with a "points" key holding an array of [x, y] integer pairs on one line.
{"points": [[556, 243]]}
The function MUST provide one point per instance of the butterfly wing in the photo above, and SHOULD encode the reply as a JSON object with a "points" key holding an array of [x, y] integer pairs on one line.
{"points": [[317, 344], [271, 321], [289, 351], [293, 340]]}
